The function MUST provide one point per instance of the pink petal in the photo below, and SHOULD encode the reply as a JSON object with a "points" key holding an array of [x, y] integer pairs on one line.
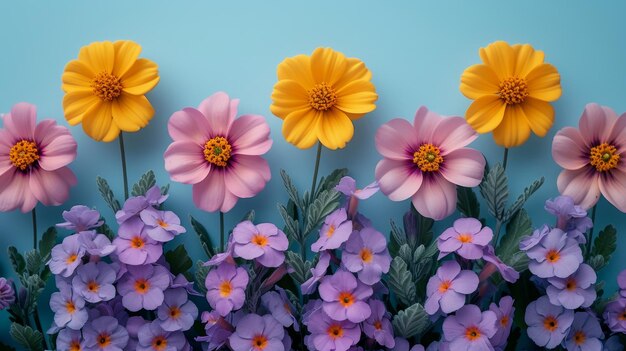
{"points": [[581, 185], [596, 123], [618, 134], [249, 135], [52, 188], [425, 124], [613, 187], [211, 194], [6, 143], [397, 180], [189, 124], [569, 150], [464, 167], [15, 193], [453, 133], [185, 162], [20, 123], [436, 198], [58, 147], [246, 175], [396, 139], [220, 111]]}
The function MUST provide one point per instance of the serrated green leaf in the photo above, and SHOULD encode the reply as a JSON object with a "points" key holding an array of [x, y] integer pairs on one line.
{"points": [[292, 191], [179, 260], [411, 322], [495, 190], [203, 235], [322, 206], [401, 281], [165, 189], [47, 242], [331, 180], [301, 269], [605, 243], [596, 262], [519, 226], [291, 229], [17, 260], [467, 202], [107, 231], [27, 337], [249, 216], [34, 286], [34, 262], [200, 276], [107, 194], [397, 238], [147, 181], [406, 254], [521, 200]]}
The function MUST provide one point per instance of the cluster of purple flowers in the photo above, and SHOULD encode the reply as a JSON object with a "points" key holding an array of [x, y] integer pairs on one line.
{"points": [[120, 295]]}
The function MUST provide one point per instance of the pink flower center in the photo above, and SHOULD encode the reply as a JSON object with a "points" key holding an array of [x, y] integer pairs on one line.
{"points": [[322, 97], [259, 342], [428, 158], [217, 151], [366, 255], [513, 90], [604, 157], [23, 154], [107, 86], [472, 333], [465, 238], [335, 331]]}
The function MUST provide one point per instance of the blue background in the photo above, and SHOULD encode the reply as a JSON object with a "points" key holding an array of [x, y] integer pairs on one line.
{"points": [[416, 52]]}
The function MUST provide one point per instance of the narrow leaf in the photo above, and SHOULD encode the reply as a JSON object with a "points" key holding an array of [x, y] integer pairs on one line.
{"points": [[47, 242], [494, 189], [411, 322], [467, 202], [179, 260], [203, 235], [27, 337], [146, 182], [17, 260], [107, 194], [401, 281], [605, 243]]}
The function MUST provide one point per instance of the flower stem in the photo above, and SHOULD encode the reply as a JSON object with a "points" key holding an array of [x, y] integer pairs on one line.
{"points": [[38, 324], [123, 154], [505, 158], [222, 231], [36, 312], [34, 213], [317, 167], [593, 221]]}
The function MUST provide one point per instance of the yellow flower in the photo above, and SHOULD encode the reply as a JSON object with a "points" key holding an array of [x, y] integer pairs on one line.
{"points": [[511, 91], [105, 89], [319, 96]]}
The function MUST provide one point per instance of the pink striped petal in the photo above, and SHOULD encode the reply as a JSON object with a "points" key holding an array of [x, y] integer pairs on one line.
{"points": [[453, 133], [57, 146], [21, 121], [211, 194], [249, 135], [613, 187], [189, 124], [464, 167], [397, 180], [436, 198], [185, 162], [6, 143], [569, 150], [425, 124], [618, 134], [220, 111], [396, 139], [596, 123], [246, 175], [15, 192], [581, 185], [52, 188]]}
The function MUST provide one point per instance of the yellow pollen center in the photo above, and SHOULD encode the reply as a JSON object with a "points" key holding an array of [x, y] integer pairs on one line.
{"points": [[260, 240], [444, 286], [604, 157], [259, 342], [217, 151], [553, 256], [75, 345], [162, 224], [174, 312], [71, 258], [93, 286], [142, 286], [70, 307], [378, 325], [513, 90], [225, 288], [159, 343], [465, 238], [622, 317], [346, 299], [472, 333], [136, 242], [366, 255], [579, 337], [428, 158], [104, 340], [335, 331], [550, 323], [570, 285], [322, 97], [23, 154], [106, 86], [331, 231]]}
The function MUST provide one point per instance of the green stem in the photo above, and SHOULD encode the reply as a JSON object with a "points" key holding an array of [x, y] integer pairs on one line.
{"points": [[505, 158], [123, 154], [222, 231], [36, 312], [34, 213], [590, 238], [317, 167], [496, 233], [38, 324]]}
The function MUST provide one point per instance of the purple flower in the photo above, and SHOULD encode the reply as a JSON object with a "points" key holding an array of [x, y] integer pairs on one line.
{"points": [[71, 340], [80, 218], [65, 257], [575, 291], [177, 312], [555, 255], [94, 282], [530, 241], [111, 308], [131, 208], [585, 333], [134, 246], [69, 308], [366, 254], [154, 197], [153, 338], [143, 286], [328, 334], [181, 282], [446, 290], [615, 315], [95, 244], [7, 295], [263, 242], [334, 232], [227, 255], [504, 319], [256, 333], [378, 325], [162, 226], [347, 186], [278, 304], [570, 217], [133, 325], [466, 237], [508, 273], [621, 282], [470, 329], [344, 297], [217, 330], [105, 334], [547, 324], [226, 288], [317, 273]]}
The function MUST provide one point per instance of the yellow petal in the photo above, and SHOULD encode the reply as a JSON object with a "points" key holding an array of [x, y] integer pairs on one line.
{"points": [[356, 70], [142, 77], [500, 57], [357, 98], [485, 113], [131, 112], [76, 103], [526, 59], [301, 128], [539, 114], [98, 56], [544, 83], [126, 53], [336, 129], [98, 122], [77, 76], [297, 68], [328, 65], [288, 96], [479, 80], [514, 129]]}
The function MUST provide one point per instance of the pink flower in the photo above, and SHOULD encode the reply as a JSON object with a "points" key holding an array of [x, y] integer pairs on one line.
{"points": [[33, 160], [218, 154], [427, 160], [593, 158]]}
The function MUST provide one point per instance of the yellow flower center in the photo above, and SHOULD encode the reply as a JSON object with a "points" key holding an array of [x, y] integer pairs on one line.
{"points": [[71, 258], [142, 286], [513, 90], [136, 242], [70, 307], [162, 223], [504, 321], [579, 337], [465, 238], [75, 345], [553, 256], [106, 86], [444, 286], [225, 288], [378, 325], [622, 317], [174, 312], [428, 158], [159, 343], [472, 333], [322, 97], [346, 299], [104, 340], [604, 157], [331, 231], [23, 154], [335, 331], [550, 323], [217, 151], [93, 286], [366, 255], [259, 342], [260, 240]]}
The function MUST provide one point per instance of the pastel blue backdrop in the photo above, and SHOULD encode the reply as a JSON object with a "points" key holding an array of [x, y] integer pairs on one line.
{"points": [[416, 51]]}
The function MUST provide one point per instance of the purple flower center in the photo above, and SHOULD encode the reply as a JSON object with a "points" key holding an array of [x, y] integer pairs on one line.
{"points": [[142, 286], [346, 299], [174, 312], [472, 333], [104, 340], [550, 323], [24, 154], [378, 325], [553, 256], [136, 242], [579, 337], [159, 343], [93, 286], [335, 331]]}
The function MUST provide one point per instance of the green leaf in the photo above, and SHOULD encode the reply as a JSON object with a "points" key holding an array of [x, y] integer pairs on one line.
{"points": [[411, 322], [203, 235], [179, 260], [519, 226], [249, 216], [147, 181], [107, 194], [34, 285], [322, 206], [521, 200], [5, 347], [291, 229], [467, 202], [17, 260], [596, 262], [495, 190], [34, 262], [27, 337], [605, 243], [397, 238], [165, 189], [200, 276], [331, 181], [401, 281], [301, 269], [292, 191], [47, 242], [107, 231]]}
